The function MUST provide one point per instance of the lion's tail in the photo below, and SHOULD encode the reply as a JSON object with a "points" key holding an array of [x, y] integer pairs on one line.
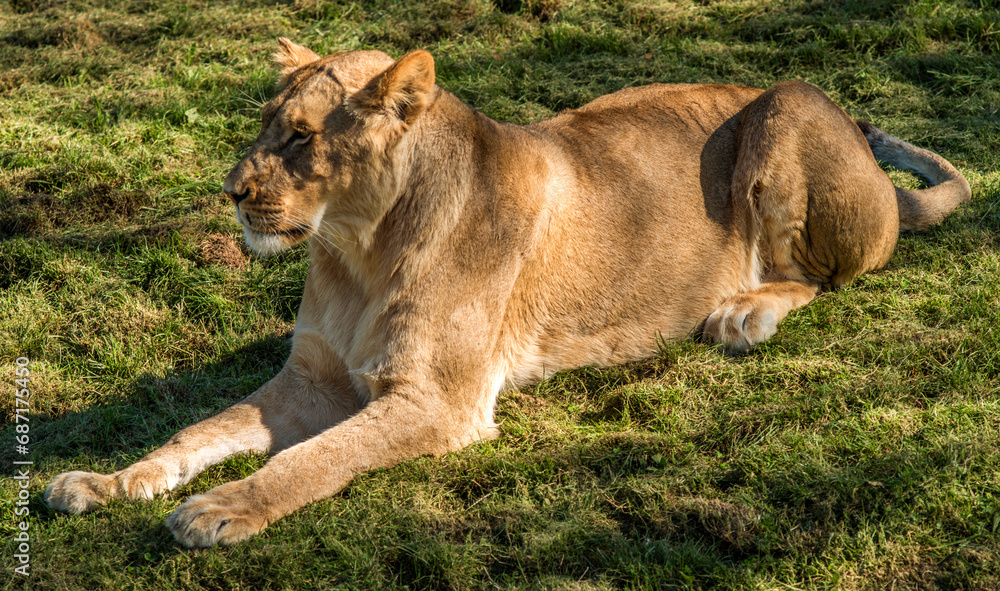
{"points": [[920, 209]]}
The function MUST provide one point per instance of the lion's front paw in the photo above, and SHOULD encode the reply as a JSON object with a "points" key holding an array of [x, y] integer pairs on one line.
{"points": [[220, 516], [144, 480], [740, 323], [78, 492]]}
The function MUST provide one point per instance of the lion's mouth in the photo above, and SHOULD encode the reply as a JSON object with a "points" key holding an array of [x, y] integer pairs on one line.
{"points": [[296, 232], [252, 222]]}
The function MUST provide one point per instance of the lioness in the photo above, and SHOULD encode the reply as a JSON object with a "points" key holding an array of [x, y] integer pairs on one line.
{"points": [[454, 256]]}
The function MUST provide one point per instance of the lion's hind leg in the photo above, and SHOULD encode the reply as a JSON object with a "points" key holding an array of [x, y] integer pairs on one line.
{"points": [[815, 209]]}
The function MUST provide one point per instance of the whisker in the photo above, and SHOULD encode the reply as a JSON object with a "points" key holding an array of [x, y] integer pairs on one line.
{"points": [[257, 102], [301, 217]]}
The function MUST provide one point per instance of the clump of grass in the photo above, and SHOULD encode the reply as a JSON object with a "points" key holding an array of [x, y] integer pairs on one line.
{"points": [[855, 450]]}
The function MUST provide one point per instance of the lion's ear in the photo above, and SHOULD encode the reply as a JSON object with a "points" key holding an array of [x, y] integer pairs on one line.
{"points": [[290, 57], [403, 89]]}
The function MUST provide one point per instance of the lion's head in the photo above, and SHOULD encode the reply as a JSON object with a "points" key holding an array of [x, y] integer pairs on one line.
{"points": [[324, 160]]}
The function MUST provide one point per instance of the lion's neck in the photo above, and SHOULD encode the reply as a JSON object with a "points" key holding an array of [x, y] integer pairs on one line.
{"points": [[411, 212]]}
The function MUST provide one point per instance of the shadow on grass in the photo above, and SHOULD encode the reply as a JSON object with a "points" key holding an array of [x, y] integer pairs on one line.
{"points": [[624, 508], [114, 432]]}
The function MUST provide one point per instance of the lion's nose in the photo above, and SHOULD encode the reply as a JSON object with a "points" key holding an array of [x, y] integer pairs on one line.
{"points": [[237, 197]]}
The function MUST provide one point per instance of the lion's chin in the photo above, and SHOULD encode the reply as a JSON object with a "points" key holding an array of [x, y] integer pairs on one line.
{"points": [[266, 244]]}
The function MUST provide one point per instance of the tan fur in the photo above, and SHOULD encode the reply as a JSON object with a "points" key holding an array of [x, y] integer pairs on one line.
{"points": [[454, 256]]}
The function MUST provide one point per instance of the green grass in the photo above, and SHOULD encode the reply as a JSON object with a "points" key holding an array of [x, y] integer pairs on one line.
{"points": [[858, 449]]}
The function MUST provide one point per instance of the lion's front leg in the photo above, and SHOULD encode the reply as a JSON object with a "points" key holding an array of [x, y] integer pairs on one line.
{"points": [[292, 406], [236, 429], [392, 429]]}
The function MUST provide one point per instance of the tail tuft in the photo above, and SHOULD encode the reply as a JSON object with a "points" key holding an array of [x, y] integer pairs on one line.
{"points": [[923, 208]]}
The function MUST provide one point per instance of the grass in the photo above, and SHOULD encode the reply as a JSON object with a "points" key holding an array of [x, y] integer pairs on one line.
{"points": [[858, 449]]}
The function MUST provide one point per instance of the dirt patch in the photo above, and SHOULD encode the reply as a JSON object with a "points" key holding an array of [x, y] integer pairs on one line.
{"points": [[46, 205], [222, 250], [734, 524], [104, 201], [29, 215], [28, 6], [79, 34]]}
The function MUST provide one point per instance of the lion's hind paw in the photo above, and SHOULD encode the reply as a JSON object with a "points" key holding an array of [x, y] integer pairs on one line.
{"points": [[740, 323]]}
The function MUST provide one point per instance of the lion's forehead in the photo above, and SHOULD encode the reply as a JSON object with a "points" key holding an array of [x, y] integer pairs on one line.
{"points": [[318, 88], [350, 71], [356, 69], [311, 106], [306, 100]]}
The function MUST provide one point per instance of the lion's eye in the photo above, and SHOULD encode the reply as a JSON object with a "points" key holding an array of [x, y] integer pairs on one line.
{"points": [[298, 138]]}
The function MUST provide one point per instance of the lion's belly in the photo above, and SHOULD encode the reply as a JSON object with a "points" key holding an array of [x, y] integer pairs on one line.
{"points": [[643, 245], [623, 315]]}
